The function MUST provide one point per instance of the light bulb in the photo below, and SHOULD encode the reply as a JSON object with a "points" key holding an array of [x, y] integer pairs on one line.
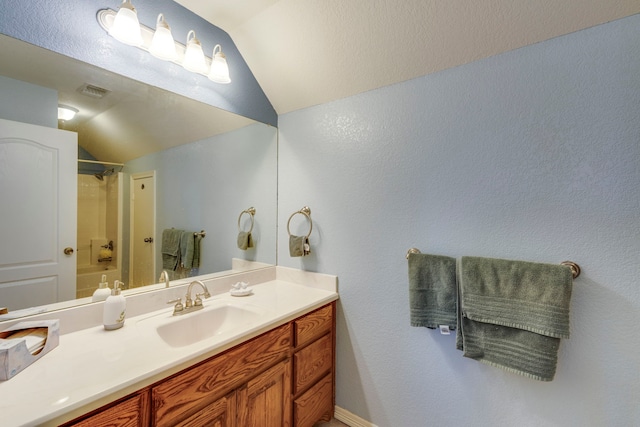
{"points": [[162, 45], [126, 27], [219, 72], [194, 57]]}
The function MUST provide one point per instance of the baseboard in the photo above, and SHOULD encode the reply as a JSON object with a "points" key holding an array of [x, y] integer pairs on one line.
{"points": [[350, 419]]}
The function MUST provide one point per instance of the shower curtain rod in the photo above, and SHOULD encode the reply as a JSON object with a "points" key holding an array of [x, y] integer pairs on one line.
{"points": [[101, 163]]}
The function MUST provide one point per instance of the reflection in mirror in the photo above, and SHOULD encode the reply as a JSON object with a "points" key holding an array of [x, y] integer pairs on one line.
{"points": [[149, 161]]}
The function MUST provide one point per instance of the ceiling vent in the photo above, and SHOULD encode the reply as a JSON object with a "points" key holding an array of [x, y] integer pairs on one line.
{"points": [[93, 91]]}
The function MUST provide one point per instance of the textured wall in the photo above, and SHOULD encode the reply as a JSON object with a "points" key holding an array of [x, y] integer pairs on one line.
{"points": [[206, 184], [534, 155]]}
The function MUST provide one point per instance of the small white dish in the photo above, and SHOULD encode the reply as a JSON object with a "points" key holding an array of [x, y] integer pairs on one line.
{"points": [[241, 292]]}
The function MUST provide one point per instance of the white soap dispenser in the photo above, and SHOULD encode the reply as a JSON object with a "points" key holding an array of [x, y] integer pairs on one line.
{"points": [[103, 291], [114, 308]]}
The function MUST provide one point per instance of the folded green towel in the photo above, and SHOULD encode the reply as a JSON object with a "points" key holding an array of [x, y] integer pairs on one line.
{"points": [[170, 248], [299, 246], [513, 314], [245, 240], [432, 290]]}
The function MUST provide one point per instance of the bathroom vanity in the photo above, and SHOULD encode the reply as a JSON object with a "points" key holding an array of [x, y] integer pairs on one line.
{"points": [[272, 364]]}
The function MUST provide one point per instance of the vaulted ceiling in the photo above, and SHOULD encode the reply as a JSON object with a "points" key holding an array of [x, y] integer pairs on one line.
{"points": [[308, 52]]}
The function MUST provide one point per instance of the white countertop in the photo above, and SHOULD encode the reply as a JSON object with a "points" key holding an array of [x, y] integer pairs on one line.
{"points": [[92, 366]]}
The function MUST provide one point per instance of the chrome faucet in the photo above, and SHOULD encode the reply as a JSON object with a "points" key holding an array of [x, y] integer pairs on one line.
{"points": [[164, 276], [198, 301], [189, 303]]}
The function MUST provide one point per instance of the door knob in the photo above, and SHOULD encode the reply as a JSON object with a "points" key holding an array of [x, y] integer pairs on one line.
{"points": [[148, 240], [68, 251]]}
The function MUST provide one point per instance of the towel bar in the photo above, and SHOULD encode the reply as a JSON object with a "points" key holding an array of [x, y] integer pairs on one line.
{"points": [[202, 233], [575, 268]]}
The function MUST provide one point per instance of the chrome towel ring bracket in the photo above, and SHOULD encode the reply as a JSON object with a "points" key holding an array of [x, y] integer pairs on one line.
{"points": [[306, 211], [251, 212]]}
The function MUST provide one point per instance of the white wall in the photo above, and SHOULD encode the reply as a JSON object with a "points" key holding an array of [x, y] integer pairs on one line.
{"points": [[533, 155]]}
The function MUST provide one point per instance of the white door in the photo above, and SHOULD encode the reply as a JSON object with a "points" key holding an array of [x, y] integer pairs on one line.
{"points": [[38, 198], [142, 264]]}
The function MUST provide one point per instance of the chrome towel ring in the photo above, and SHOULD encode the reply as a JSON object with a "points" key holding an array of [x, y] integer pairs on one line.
{"points": [[251, 212], [306, 211]]}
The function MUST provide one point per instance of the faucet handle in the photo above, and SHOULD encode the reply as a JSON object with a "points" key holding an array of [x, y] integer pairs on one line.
{"points": [[178, 304], [198, 300]]}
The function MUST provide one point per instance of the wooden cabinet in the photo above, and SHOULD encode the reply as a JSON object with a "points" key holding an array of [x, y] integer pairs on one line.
{"points": [[282, 378], [132, 411], [190, 391], [313, 367], [265, 401], [220, 413]]}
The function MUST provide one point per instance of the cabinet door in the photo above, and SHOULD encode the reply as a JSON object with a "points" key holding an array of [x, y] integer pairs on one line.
{"points": [[265, 401], [128, 413], [221, 413]]}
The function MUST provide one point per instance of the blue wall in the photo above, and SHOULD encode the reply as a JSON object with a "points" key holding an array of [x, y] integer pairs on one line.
{"points": [[534, 155], [27, 103], [205, 185], [70, 27]]}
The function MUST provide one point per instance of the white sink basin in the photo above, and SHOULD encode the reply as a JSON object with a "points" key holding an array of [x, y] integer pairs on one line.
{"points": [[212, 320]]}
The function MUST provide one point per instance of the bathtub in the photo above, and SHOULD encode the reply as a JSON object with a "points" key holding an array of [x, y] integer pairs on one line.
{"points": [[90, 276]]}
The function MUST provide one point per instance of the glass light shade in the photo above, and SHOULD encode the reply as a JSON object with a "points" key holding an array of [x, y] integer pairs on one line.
{"points": [[219, 72], [162, 44], [126, 27], [193, 56], [65, 112]]}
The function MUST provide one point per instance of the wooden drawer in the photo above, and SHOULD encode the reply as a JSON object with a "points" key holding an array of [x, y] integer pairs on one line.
{"points": [[314, 403], [132, 412], [186, 393], [312, 362], [313, 325]]}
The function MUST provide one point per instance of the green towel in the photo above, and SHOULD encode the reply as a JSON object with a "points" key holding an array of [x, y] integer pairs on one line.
{"points": [[432, 290], [196, 251], [187, 240], [298, 246], [245, 240], [513, 314], [170, 248]]}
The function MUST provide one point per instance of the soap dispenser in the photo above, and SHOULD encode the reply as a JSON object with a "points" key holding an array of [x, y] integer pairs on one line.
{"points": [[114, 308], [103, 291]]}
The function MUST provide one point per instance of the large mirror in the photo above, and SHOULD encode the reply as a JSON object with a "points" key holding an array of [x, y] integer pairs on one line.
{"points": [[152, 165]]}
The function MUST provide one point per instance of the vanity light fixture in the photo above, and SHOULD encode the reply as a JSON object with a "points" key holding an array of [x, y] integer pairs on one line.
{"points": [[194, 56], [65, 112], [126, 27], [162, 44], [158, 43], [219, 72]]}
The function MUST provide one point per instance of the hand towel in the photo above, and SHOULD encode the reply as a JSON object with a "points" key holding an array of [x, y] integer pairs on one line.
{"points": [[197, 241], [170, 248], [432, 291], [513, 314], [299, 246], [245, 240], [187, 241]]}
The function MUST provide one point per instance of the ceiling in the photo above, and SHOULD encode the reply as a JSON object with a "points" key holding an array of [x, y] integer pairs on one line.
{"points": [[308, 52], [131, 120]]}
